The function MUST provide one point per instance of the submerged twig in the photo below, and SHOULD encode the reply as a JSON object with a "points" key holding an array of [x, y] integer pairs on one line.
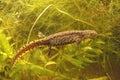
{"points": [[36, 21]]}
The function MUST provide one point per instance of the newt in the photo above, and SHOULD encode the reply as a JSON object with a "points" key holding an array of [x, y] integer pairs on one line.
{"points": [[57, 39]]}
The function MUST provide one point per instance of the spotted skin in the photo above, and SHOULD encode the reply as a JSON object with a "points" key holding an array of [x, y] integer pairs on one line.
{"points": [[57, 39]]}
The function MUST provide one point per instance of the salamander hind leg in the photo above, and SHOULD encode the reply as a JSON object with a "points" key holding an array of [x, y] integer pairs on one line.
{"points": [[49, 50]]}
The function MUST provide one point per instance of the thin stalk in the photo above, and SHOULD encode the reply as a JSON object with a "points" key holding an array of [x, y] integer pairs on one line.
{"points": [[36, 21], [74, 17]]}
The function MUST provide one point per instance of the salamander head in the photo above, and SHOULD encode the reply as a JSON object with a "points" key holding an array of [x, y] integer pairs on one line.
{"points": [[89, 34]]}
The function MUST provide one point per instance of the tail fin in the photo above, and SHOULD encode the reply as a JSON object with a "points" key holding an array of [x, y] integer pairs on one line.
{"points": [[24, 49]]}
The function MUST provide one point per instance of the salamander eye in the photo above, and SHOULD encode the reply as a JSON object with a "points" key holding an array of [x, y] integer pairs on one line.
{"points": [[82, 35]]}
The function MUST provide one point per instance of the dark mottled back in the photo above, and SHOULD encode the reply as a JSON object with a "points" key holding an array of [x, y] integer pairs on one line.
{"points": [[68, 37]]}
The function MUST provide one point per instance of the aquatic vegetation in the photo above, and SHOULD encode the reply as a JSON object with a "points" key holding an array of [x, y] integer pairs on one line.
{"points": [[94, 59]]}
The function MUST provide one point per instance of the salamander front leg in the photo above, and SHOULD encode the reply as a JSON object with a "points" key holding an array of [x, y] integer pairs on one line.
{"points": [[77, 43], [40, 35]]}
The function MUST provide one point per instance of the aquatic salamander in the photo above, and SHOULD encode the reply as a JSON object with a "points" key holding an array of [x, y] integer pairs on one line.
{"points": [[57, 39]]}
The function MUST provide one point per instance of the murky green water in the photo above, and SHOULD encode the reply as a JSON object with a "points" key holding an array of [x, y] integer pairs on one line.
{"points": [[87, 59]]}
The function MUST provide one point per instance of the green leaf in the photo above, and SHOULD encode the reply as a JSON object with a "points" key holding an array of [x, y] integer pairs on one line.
{"points": [[74, 61], [87, 60], [100, 78], [50, 63], [4, 44], [87, 48], [37, 69], [100, 42]]}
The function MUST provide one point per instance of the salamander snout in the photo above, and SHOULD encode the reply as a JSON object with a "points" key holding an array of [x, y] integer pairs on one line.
{"points": [[90, 33]]}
